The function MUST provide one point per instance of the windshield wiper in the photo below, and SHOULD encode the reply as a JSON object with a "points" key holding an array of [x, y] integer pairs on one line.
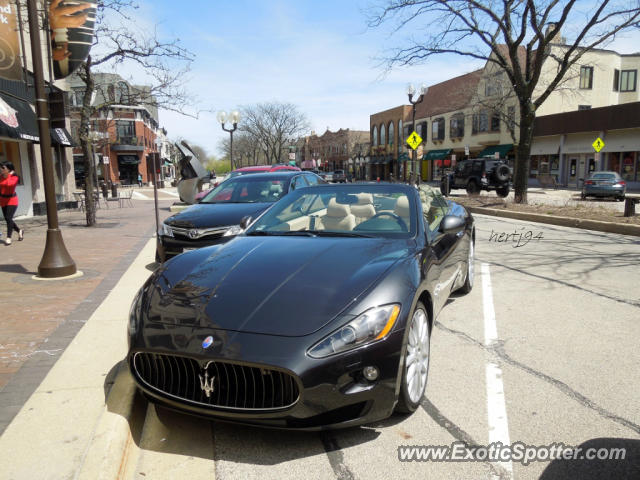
{"points": [[326, 233], [258, 233]]}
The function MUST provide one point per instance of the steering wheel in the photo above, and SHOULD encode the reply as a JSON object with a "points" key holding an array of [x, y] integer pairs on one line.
{"points": [[395, 217]]}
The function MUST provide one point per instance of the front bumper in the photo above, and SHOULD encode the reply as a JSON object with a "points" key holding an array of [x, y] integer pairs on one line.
{"points": [[332, 391]]}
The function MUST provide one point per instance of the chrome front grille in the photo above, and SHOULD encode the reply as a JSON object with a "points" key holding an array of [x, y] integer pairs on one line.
{"points": [[216, 384], [196, 233]]}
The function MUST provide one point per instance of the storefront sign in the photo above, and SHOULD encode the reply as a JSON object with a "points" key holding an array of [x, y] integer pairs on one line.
{"points": [[72, 26], [10, 65]]}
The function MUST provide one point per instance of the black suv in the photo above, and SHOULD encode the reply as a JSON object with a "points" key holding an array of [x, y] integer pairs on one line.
{"points": [[478, 174]]}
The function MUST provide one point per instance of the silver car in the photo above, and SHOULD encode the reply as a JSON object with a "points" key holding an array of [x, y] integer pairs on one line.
{"points": [[604, 184]]}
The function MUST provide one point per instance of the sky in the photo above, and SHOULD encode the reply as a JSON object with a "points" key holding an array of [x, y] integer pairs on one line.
{"points": [[319, 55]]}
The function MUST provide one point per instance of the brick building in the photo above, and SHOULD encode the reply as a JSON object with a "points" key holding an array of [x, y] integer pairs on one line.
{"points": [[124, 129]]}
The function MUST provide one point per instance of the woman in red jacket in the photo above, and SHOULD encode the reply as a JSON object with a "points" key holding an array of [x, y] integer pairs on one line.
{"points": [[9, 199]]}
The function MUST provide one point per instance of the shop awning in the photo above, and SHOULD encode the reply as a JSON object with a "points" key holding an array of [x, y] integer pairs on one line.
{"points": [[60, 136], [17, 120], [128, 160], [436, 154], [491, 150], [404, 157]]}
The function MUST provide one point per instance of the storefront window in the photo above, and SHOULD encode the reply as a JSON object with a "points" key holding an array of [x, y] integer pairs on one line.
{"points": [[614, 162], [533, 167], [554, 161], [628, 171]]}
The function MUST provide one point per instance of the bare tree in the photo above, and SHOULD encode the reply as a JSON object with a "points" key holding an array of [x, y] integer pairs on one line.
{"points": [[271, 126], [513, 36], [119, 43]]}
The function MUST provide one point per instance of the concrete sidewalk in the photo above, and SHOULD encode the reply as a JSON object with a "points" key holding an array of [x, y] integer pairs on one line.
{"points": [[41, 317], [67, 428]]}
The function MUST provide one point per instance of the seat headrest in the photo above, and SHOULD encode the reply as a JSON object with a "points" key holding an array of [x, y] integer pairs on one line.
{"points": [[402, 207], [365, 199], [335, 209]]}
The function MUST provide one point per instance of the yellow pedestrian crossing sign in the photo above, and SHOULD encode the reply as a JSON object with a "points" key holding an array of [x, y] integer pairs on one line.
{"points": [[414, 140], [598, 144]]}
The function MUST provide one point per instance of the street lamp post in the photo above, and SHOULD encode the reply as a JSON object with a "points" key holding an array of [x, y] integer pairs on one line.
{"points": [[156, 156], [234, 118], [415, 171]]}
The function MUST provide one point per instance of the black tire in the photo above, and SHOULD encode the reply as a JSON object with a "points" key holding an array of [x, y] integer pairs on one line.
{"points": [[503, 191], [583, 196], [473, 188], [620, 198], [470, 276], [405, 403], [502, 173]]}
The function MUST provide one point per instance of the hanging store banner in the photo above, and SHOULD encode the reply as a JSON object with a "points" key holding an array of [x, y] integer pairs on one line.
{"points": [[10, 65], [71, 24]]}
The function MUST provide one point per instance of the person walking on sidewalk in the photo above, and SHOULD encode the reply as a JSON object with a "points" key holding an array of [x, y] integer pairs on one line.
{"points": [[9, 200], [139, 180]]}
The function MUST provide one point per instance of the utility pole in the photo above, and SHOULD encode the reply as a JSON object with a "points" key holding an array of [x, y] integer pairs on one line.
{"points": [[56, 261]]}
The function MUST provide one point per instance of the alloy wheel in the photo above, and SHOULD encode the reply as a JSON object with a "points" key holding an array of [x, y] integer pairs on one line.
{"points": [[417, 364]]}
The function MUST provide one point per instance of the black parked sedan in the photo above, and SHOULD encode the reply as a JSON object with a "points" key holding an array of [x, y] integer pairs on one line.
{"points": [[216, 217], [318, 315]]}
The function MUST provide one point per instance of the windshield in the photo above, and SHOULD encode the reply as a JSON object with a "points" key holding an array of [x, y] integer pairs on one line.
{"points": [[362, 210], [247, 189]]}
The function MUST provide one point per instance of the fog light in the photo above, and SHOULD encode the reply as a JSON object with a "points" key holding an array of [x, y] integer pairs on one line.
{"points": [[370, 373]]}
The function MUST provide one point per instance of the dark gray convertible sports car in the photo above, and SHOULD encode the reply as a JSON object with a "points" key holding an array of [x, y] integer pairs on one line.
{"points": [[318, 315]]}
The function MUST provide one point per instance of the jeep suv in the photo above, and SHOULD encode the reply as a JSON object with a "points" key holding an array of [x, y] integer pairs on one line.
{"points": [[479, 174]]}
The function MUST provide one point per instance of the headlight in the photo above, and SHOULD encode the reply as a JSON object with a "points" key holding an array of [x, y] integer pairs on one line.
{"points": [[374, 324], [166, 230], [235, 230]]}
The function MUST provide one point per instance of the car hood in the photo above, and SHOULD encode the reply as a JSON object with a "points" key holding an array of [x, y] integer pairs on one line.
{"points": [[203, 215], [289, 286]]}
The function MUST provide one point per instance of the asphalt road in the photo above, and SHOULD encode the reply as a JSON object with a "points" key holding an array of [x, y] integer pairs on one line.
{"points": [[542, 351]]}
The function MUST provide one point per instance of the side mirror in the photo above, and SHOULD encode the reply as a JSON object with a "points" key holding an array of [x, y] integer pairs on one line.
{"points": [[452, 224], [244, 223]]}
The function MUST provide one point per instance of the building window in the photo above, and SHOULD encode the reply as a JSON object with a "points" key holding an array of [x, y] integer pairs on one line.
{"points": [[400, 132], [495, 122], [437, 129], [616, 79], [456, 126], [375, 136], [493, 86], [480, 122], [391, 133], [125, 129], [425, 130], [628, 81], [586, 78], [584, 107], [383, 135]]}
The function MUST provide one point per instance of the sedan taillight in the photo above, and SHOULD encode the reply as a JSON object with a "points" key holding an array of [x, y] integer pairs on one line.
{"points": [[589, 182], [622, 183]]}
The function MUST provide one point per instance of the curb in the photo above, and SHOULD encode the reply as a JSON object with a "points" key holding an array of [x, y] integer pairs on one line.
{"points": [[585, 224]]}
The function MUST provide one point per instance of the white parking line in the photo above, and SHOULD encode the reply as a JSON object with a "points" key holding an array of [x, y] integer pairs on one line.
{"points": [[496, 407]]}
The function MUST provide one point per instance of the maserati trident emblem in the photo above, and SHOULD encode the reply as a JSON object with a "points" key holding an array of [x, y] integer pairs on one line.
{"points": [[206, 382]]}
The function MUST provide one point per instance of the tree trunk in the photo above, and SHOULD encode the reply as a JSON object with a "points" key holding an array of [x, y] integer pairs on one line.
{"points": [[523, 152], [85, 119]]}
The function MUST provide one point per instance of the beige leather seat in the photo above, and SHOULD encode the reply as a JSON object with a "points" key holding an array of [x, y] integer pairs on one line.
{"points": [[364, 209], [402, 210], [338, 217]]}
